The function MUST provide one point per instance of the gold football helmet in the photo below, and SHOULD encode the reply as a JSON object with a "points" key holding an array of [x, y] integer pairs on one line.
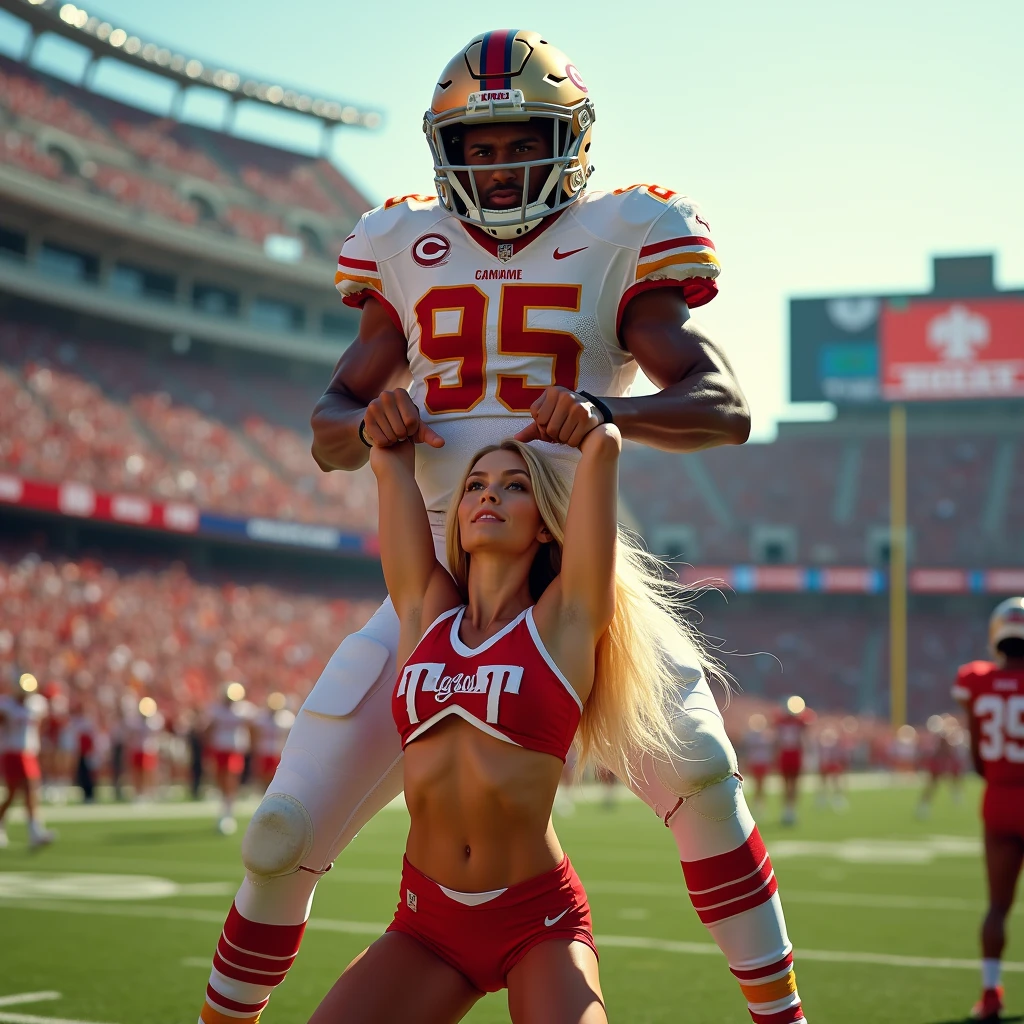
{"points": [[510, 75], [1006, 623]]}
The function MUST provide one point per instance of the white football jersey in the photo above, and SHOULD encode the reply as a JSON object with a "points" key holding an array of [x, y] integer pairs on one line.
{"points": [[491, 323], [20, 732], [230, 726]]}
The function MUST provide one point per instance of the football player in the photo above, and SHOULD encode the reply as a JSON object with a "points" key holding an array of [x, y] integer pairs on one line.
{"points": [[758, 751], [992, 694], [791, 721], [514, 281], [228, 739], [20, 716]]}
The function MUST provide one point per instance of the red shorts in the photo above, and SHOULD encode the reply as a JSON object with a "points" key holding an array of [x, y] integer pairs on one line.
{"points": [[144, 761], [1002, 810], [790, 763], [486, 941], [758, 771], [940, 766], [267, 764], [19, 767], [230, 761], [831, 768]]}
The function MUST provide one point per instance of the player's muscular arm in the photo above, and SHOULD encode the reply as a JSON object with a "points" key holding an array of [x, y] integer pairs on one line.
{"points": [[376, 361], [700, 404]]}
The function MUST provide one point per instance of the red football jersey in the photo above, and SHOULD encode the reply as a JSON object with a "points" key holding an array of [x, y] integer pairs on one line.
{"points": [[509, 687], [789, 730], [995, 697]]}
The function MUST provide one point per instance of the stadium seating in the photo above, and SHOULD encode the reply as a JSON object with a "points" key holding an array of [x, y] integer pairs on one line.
{"points": [[257, 189], [833, 492], [837, 659], [123, 422]]}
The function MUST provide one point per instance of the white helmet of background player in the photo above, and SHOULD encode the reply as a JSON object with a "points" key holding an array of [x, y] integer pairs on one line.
{"points": [[1006, 629], [510, 76]]}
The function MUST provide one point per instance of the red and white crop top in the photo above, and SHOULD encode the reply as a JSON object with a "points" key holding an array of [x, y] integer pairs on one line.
{"points": [[509, 687]]}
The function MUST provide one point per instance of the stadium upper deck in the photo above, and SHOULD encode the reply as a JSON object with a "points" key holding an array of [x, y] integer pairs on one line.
{"points": [[111, 212]]}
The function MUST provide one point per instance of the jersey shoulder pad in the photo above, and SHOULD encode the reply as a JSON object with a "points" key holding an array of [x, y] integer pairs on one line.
{"points": [[971, 678], [378, 235], [669, 232]]}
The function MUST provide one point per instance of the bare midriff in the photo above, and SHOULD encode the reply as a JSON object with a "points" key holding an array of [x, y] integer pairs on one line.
{"points": [[480, 808]]}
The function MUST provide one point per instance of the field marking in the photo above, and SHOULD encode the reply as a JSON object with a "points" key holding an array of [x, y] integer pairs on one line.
{"points": [[28, 997], [28, 1018], [180, 809], [17, 885], [123, 887], [615, 941]]}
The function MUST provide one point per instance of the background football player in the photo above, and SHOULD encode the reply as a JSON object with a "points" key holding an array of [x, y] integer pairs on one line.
{"points": [[512, 282], [992, 694]]}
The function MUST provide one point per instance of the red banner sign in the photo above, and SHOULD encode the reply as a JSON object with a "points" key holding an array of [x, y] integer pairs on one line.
{"points": [[941, 349]]}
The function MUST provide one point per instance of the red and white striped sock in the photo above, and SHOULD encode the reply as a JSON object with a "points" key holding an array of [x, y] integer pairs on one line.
{"points": [[736, 897], [252, 959]]}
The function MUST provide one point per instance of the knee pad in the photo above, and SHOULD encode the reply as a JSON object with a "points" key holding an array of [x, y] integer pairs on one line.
{"points": [[701, 773], [279, 837], [703, 754]]}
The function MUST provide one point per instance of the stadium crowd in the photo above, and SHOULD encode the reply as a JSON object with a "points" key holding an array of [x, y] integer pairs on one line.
{"points": [[101, 640]]}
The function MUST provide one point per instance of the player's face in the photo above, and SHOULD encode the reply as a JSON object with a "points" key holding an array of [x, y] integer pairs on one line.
{"points": [[492, 145], [498, 510]]}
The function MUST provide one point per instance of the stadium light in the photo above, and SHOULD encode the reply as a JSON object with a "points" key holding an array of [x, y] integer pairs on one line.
{"points": [[28, 682], [795, 705], [60, 17], [147, 707]]}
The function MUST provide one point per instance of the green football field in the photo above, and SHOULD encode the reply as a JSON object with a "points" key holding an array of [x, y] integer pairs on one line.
{"points": [[116, 923]]}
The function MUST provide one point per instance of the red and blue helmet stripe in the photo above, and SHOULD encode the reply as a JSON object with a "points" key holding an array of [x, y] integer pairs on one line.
{"points": [[496, 59]]}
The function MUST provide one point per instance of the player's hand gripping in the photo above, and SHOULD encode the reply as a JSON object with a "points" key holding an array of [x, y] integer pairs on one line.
{"points": [[392, 418], [560, 416]]}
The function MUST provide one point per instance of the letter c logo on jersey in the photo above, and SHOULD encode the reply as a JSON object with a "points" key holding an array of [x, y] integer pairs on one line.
{"points": [[431, 250]]}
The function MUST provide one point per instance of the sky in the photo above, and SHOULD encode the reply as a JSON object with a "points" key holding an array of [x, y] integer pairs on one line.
{"points": [[834, 148]]}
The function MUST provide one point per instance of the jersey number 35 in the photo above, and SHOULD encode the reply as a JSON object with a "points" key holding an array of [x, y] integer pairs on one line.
{"points": [[1001, 723]]}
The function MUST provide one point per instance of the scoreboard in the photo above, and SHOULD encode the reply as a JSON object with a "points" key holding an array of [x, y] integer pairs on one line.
{"points": [[964, 340]]}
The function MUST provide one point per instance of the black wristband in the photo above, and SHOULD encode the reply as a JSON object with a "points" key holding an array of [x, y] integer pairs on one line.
{"points": [[598, 405], [362, 436]]}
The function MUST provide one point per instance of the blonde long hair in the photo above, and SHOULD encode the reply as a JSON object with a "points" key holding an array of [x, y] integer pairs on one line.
{"points": [[636, 663]]}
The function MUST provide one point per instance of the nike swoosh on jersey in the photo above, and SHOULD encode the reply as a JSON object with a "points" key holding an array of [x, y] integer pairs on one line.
{"points": [[572, 252], [549, 921]]}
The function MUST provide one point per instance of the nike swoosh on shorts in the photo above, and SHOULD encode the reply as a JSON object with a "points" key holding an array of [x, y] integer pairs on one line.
{"points": [[549, 921]]}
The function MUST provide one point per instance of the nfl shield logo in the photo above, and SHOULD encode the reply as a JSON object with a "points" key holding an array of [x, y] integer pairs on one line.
{"points": [[410, 900], [505, 252]]}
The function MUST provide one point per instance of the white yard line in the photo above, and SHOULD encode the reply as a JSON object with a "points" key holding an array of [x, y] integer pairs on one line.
{"points": [[833, 956], [28, 1018], [180, 809], [28, 997], [615, 941]]}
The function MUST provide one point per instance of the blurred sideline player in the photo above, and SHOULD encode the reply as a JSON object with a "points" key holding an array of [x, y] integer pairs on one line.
{"points": [[790, 722], [273, 724], [758, 754], [832, 763], [943, 759], [144, 728], [228, 740], [512, 282], [992, 694], [20, 717]]}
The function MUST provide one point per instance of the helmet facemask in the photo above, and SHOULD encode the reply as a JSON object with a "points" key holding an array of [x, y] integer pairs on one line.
{"points": [[565, 172]]}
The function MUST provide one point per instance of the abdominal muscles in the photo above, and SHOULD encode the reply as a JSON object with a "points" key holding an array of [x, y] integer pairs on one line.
{"points": [[480, 808]]}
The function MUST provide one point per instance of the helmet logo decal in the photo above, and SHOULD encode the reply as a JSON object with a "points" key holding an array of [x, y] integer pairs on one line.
{"points": [[572, 73], [431, 250]]}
